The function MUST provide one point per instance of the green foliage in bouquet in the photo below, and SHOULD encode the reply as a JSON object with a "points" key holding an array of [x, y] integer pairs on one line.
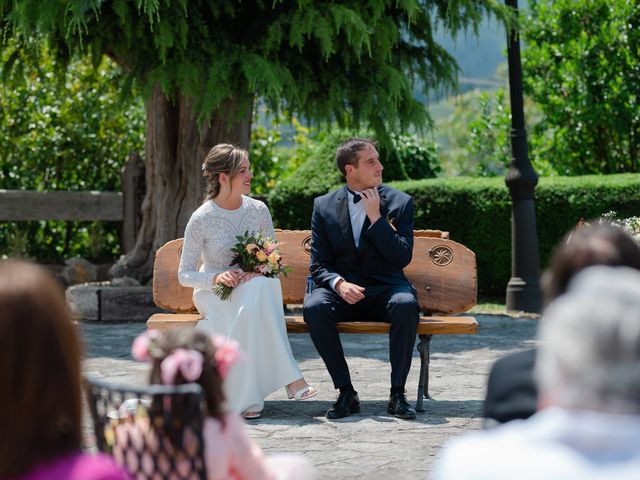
{"points": [[254, 253]]}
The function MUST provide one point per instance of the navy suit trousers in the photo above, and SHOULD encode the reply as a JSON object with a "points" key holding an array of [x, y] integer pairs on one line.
{"points": [[394, 304]]}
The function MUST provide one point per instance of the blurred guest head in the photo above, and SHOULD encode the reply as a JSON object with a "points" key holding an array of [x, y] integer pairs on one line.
{"points": [[595, 244], [40, 386], [589, 354], [185, 355]]}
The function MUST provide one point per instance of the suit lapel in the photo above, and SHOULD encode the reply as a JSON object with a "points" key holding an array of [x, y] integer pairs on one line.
{"points": [[342, 211], [364, 244], [383, 202], [363, 238]]}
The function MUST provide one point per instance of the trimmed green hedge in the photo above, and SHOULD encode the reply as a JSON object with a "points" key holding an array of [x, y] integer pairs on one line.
{"points": [[477, 212]]}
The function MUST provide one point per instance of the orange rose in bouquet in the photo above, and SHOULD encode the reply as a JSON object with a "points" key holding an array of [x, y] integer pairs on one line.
{"points": [[254, 253]]}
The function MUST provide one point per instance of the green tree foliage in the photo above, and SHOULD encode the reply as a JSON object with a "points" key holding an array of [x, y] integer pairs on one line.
{"points": [[476, 136], [266, 165], [409, 157], [582, 66], [202, 63], [348, 62], [278, 148], [64, 133]]}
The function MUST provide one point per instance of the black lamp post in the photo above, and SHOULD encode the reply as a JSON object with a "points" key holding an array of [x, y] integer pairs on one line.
{"points": [[523, 290]]}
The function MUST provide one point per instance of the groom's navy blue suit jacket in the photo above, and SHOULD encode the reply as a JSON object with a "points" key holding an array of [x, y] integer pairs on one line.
{"points": [[383, 251]]}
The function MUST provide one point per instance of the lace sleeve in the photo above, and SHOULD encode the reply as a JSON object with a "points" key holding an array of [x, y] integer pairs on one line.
{"points": [[188, 273], [266, 223]]}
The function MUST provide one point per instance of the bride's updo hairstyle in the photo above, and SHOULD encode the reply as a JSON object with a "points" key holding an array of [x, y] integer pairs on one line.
{"points": [[223, 158]]}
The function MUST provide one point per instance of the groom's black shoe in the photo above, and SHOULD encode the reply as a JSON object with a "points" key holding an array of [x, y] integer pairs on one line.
{"points": [[346, 404], [399, 407]]}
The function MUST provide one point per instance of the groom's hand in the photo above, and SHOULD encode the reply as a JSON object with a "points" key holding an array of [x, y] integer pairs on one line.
{"points": [[349, 292], [371, 200]]}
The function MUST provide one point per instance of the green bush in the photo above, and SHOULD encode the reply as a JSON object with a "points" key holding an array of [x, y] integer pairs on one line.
{"points": [[266, 165], [407, 157], [69, 134], [293, 196], [581, 66], [477, 213], [413, 156]]}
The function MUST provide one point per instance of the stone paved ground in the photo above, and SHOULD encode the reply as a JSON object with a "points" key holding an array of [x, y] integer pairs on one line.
{"points": [[372, 444]]}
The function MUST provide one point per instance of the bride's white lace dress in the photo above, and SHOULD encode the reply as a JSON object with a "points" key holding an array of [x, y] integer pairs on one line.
{"points": [[254, 315]]}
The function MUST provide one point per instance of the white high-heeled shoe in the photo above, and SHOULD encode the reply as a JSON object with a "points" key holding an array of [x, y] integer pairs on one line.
{"points": [[305, 393]]}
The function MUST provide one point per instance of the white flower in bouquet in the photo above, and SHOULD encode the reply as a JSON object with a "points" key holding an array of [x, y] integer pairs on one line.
{"points": [[630, 225]]}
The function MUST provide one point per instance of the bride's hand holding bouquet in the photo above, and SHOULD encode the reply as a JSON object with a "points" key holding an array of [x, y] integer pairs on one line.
{"points": [[254, 255]]}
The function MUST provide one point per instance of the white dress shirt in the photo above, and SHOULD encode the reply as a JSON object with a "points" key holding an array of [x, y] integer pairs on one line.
{"points": [[357, 215]]}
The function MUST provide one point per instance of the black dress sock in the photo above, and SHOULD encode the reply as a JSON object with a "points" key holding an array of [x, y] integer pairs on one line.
{"points": [[347, 388]]}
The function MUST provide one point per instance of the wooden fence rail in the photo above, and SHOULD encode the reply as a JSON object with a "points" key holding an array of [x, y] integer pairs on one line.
{"points": [[25, 205], [19, 205]]}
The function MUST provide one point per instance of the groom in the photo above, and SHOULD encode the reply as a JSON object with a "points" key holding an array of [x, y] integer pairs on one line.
{"points": [[361, 239]]}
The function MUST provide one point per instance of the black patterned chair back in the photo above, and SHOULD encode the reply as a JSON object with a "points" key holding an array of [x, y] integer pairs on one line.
{"points": [[154, 432]]}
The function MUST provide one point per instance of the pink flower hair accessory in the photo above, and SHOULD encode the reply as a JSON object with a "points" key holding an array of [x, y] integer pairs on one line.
{"points": [[228, 352], [187, 362], [143, 346]]}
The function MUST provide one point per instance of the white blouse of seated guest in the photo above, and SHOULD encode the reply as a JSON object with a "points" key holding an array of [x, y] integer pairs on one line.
{"points": [[211, 234], [553, 444]]}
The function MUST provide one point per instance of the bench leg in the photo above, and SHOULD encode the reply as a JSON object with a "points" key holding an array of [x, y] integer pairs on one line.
{"points": [[424, 347]]}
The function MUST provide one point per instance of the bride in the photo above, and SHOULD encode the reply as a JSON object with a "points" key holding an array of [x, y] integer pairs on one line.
{"points": [[254, 314]]}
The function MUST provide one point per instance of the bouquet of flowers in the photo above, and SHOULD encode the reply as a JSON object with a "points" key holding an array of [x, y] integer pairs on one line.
{"points": [[256, 254]]}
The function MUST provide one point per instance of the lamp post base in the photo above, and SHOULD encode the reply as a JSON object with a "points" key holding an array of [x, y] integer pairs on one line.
{"points": [[524, 295]]}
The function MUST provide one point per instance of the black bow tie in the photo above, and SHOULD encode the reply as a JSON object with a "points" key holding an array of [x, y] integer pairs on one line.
{"points": [[356, 196]]}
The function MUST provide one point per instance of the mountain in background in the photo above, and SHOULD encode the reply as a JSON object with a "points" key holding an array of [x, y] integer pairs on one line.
{"points": [[478, 57]]}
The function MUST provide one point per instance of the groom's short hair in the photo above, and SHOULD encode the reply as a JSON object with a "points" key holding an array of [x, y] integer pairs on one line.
{"points": [[347, 153]]}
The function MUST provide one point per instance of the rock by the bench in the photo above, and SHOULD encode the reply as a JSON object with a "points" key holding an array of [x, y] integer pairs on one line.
{"points": [[104, 302], [78, 270], [130, 304], [125, 282], [83, 301]]}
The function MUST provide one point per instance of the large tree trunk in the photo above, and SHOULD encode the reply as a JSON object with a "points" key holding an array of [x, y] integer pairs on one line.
{"points": [[174, 151]]}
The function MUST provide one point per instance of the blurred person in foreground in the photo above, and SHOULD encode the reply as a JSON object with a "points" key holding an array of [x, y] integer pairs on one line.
{"points": [[588, 374], [186, 355], [40, 383], [511, 390]]}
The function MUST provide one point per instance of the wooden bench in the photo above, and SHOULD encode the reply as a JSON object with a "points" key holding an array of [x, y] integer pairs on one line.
{"points": [[442, 271]]}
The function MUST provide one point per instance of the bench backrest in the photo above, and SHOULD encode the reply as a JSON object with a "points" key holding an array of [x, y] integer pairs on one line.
{"points": [[442, 271]]}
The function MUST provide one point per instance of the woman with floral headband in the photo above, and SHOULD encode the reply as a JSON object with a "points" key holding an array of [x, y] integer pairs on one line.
{"points": [[254, 314], [187, 356]]}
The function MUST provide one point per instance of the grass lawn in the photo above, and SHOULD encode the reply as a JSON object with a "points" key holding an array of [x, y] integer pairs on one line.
{"points": [[496, 306]]}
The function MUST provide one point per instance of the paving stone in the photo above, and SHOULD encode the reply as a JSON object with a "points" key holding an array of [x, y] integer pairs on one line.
{"points": [[371, 444]]}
